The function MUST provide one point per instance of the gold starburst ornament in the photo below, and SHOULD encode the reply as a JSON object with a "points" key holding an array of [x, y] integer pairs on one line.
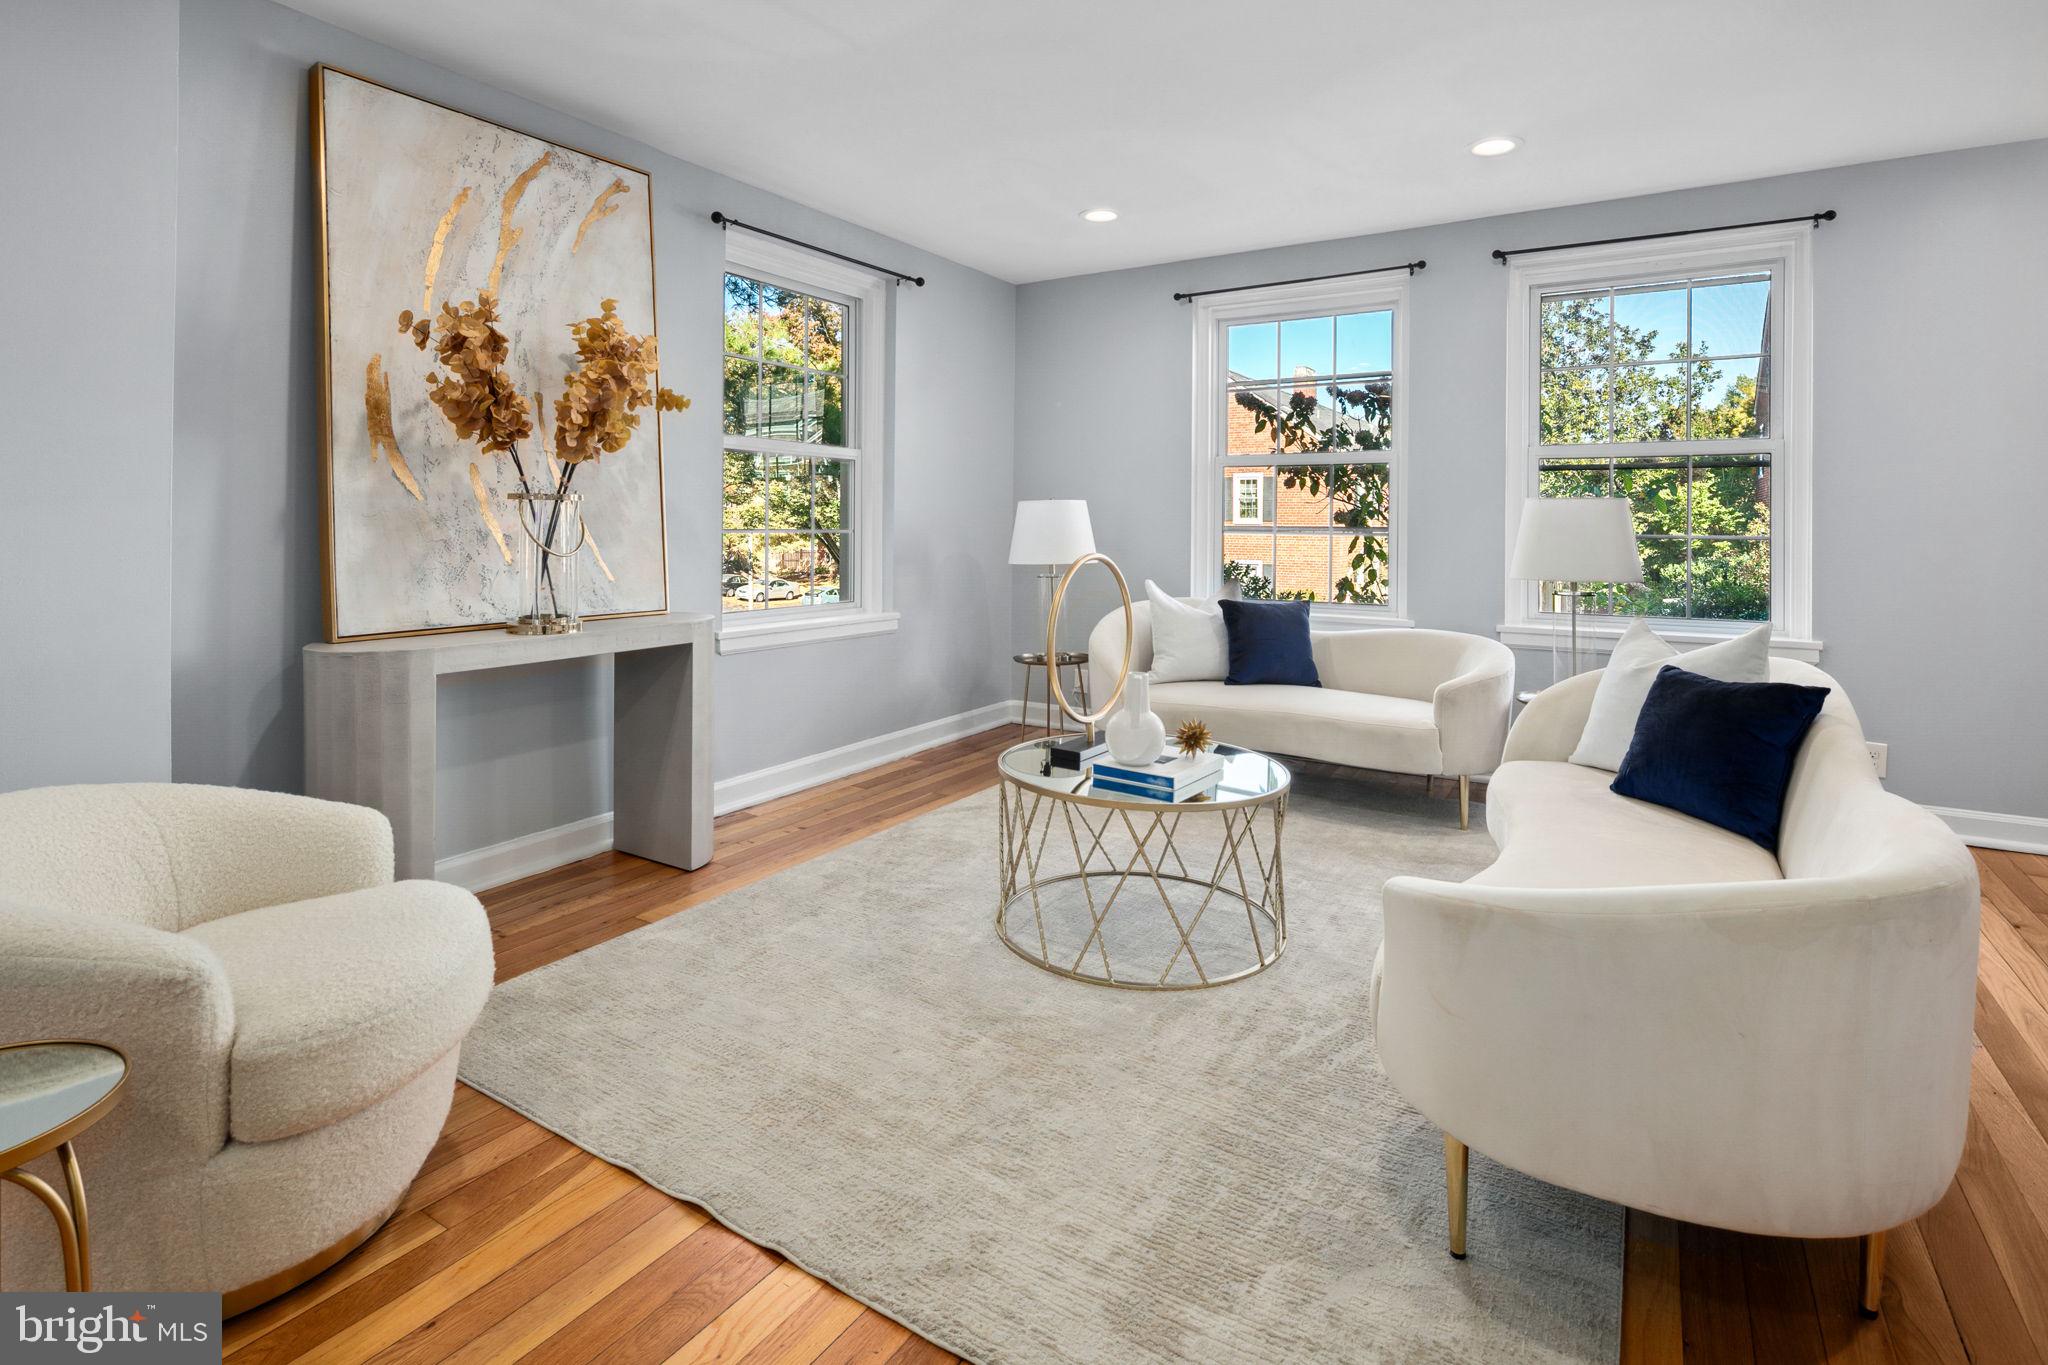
{"points": [[1193, 738]]}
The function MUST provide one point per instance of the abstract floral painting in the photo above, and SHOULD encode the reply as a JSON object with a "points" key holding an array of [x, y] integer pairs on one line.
{"points": [[420, 206]]}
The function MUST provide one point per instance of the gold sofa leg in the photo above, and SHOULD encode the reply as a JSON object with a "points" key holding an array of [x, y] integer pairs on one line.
{"points": [[1464, 803], [1457, 1165], [1872, 1293]]}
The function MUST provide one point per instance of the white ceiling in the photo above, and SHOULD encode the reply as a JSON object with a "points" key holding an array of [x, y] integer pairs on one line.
{"points": [[981, 130]]}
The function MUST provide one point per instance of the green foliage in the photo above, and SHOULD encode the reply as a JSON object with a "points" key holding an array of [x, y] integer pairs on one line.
{"points": [[1679, 502], [1256, 587], [1357, 417]]}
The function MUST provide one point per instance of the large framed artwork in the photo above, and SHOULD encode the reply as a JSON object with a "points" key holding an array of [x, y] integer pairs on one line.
{"points": [[424, 210]]}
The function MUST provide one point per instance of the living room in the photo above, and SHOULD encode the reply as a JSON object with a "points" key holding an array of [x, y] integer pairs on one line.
{"points": [[822, 683]]}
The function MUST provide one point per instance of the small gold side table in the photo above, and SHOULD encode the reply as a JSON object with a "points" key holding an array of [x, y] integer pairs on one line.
{"points": [[50, 1092], [1034, 665]]}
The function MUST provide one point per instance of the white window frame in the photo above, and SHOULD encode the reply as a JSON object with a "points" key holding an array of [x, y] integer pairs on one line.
{"points": [[1258, 485], [1279, 303], [867, 296], [1786, 252]]}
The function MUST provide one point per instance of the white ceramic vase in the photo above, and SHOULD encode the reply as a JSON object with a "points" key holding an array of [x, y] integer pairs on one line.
{"points": [[1136, 737]]}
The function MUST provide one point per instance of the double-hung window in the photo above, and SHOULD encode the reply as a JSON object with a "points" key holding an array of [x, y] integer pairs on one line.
{"points": [[1675, 377], [1299, 437], [799, 550]]}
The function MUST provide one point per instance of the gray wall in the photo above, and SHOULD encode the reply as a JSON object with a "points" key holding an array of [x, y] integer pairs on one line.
{"points": [[89, 155], [1930, 462], [526, 752]]}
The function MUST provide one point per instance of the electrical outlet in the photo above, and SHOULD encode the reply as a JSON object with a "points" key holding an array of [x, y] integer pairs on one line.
{"points": [[1877, 757]]}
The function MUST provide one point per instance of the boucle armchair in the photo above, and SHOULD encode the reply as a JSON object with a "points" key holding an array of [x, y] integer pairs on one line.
{"points": [[291, 1017], [1646, 1008], [1434, 703]]}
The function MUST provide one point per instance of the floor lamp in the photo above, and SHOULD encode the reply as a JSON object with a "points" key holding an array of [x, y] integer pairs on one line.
{"points": [[1051, 533], [1572, 541]]}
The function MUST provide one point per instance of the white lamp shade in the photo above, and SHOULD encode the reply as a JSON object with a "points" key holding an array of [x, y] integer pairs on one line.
{"points": [[1577, 540], [1051, 531]]}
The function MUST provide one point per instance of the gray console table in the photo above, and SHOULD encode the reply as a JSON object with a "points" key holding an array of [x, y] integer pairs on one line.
{"points": [[370, 727]]}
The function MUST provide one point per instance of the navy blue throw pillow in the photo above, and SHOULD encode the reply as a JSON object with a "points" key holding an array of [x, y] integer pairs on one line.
{"points": [[1722, 751], [1269, 643]]}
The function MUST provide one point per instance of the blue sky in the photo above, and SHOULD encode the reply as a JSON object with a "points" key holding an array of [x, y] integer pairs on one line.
{"points": [[1351, 343]]}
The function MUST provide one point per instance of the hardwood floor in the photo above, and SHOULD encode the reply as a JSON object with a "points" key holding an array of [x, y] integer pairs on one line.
{"points": [[513, 1244]]}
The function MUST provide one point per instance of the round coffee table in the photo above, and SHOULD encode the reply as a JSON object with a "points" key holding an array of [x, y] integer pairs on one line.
{"points": [[1128, 891], [49, 1094]]}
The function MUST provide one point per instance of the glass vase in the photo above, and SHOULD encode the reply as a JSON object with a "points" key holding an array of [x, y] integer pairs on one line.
{"points": [[552, 537]]}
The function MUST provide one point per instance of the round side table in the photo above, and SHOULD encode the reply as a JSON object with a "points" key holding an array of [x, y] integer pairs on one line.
{"points": [[50, 1092], [1034, 664], [1138, 863]]}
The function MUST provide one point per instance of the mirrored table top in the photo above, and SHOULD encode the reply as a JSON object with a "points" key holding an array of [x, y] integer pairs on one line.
{"points": [[1248, 777], [45, 1086]]}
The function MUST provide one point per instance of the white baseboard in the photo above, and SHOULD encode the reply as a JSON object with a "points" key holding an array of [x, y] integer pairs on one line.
{"points": [[765, 784], [1992, 829], [537, 852], [527, 854]]}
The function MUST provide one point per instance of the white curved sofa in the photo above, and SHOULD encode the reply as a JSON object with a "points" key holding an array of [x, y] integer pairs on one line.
{"points": [[291, 1018], [1430, 702], [1643, 1007]]}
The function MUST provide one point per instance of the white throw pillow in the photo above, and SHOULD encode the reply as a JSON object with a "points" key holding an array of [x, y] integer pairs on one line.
{"points": [[1618, 700], [1188, 643]]}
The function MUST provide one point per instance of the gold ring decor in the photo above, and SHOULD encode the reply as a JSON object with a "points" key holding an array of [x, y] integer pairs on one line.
{"points": [[1052, 630]]}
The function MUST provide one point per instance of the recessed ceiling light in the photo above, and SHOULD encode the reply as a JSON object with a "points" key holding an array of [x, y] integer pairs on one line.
{"points": [[1099, 215], [1495, 146]]}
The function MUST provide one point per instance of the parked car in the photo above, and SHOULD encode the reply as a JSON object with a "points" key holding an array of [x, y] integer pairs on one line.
{"points": [[767, 590]]}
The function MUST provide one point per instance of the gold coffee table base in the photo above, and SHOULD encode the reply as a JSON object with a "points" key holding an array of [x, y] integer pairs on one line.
{"points": [[1244, 875]]}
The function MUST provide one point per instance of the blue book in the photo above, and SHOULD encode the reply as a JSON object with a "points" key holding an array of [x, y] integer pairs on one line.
{"points": [[1167, 775], [1111, 787]]}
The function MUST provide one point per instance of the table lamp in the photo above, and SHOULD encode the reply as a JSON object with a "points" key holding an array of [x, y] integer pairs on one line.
{"points": [[1051, 533], [1573, 541]]}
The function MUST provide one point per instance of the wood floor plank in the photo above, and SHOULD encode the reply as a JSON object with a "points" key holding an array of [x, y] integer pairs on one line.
{"points": [[475, 1315], [1834, 1268], [445, 1289], [806, 1333], [1652, 1313], [784, 1291], [871, 1340], [1980, 1302], [585, 1292], [697, 1266], [1784, 1324], [1713, 1297], [1917, 1321], [295, 1339], [695, 1307], [488, 1187], [545, 1313], [2018, 1243], [404, 1232], [1993, 1103], [2018, 1059]]}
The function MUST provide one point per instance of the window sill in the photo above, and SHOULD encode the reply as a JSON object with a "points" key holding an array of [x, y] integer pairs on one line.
{"points": [[746, 633], [1331, 616], [1599, 637]]}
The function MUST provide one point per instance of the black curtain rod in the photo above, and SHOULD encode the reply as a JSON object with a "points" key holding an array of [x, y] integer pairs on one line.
{"points": [[725, 221], [1411, 267], [1824, 216]]}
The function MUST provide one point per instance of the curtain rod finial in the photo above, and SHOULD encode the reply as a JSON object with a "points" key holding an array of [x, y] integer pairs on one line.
{"points": [[1500, 255]]}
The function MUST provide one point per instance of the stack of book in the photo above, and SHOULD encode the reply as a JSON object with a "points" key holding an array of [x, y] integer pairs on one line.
{"points": [[1171, 777]]}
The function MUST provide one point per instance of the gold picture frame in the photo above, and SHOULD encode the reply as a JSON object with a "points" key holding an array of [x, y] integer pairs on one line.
{"points": [[645, 553]]}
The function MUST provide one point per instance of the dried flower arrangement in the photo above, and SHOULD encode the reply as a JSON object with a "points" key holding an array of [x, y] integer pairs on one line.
{"points": [[597, 414]]}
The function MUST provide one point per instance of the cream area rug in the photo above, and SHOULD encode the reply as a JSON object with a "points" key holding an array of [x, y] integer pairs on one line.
{"points": [[843, 1063]]}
